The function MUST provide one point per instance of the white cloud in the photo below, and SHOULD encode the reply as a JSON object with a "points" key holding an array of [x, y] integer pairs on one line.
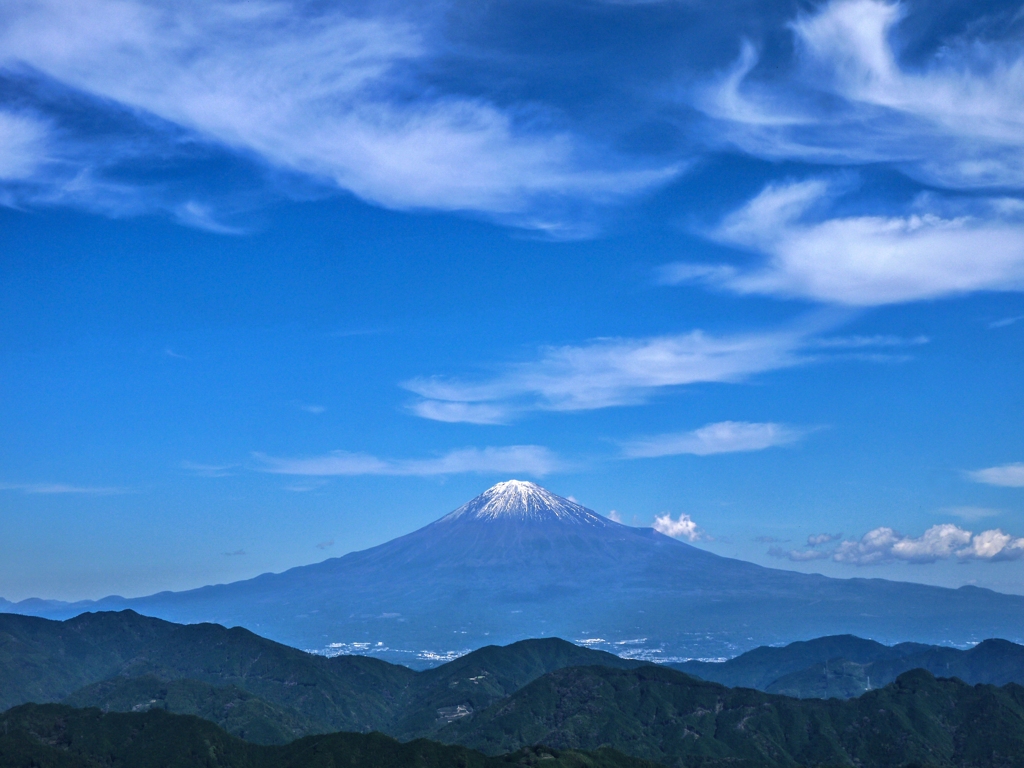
{"points": [[22, 145], [203, 216], [954, 120], [62, 488], [940, 542], [317, 92], [1005, 322], [798, 555], [863, 260], [608, 372], [970, 513], [469, 413], [1007, 475], [723, 437], [208, 470], [529, 459], [816, 540], [614, 516], [683, 528]]}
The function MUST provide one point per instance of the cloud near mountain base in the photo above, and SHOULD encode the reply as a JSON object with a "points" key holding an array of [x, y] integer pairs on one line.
{"points": [[940, 542]]}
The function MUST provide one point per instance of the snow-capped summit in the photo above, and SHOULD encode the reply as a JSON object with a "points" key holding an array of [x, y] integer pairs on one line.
{"points": [[519, 561], [522, 501]]}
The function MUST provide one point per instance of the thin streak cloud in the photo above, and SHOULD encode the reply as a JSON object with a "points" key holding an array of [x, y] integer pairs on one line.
{"points": [[722, 437], [608, 372], [1006, 475], [527, 459], [64, 489], [22, 145]]}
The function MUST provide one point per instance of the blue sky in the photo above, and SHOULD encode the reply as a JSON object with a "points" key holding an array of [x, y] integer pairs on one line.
{"points": [[284, 280]]}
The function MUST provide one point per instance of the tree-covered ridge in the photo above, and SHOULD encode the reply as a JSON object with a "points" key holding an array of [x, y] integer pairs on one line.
{"points": [[253, 687], [56, 736], [667, 716], [843, 666]]}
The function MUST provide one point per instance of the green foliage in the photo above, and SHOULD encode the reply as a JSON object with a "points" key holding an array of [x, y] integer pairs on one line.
{"points": [[56, 736], [663, 715], [253, 687], [844, 666], [237, 712], [588, 708], [46, 661]]}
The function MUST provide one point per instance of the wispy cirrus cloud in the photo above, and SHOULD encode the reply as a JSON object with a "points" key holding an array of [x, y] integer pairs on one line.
{"points": [[1006, 475], [1005, 322], [22, 145], [954, 120], [64, 488], [722, 437], [607, 372], [208, 470], [862, 260], [970, 513], [940, 542], [527, 459], [320, 92], [847, 99]]}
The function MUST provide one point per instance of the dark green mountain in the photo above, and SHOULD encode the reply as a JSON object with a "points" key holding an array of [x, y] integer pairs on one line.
{"points": [[845, 666], [664, 715], [762, 666], [54, 736], [46, 661], [254, 687], [239, 713]]}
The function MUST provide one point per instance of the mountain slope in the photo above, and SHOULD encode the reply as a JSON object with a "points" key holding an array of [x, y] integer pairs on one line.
{"points": [[995, 662], [253, 687], [521, 562], [664, 715], [239, 713], [846, 666], [762, 666], [44, 661], [53, 736]]}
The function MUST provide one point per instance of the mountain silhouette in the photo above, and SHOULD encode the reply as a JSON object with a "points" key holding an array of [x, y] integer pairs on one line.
{"points": [[519, 561]]}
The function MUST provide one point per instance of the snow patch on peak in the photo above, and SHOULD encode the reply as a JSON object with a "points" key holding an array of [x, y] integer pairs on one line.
{"points": [[524, 501]]}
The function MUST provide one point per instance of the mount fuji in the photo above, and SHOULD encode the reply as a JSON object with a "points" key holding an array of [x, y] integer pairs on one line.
{"points": [[519, 561]]}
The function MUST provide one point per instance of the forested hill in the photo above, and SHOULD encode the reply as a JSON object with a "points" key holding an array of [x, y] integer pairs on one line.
{"points": [[55, 736]]}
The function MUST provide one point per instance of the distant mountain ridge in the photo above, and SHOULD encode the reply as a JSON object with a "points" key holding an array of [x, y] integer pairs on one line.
{"points": [[519, 562], [255, 687], [846, 666]]}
